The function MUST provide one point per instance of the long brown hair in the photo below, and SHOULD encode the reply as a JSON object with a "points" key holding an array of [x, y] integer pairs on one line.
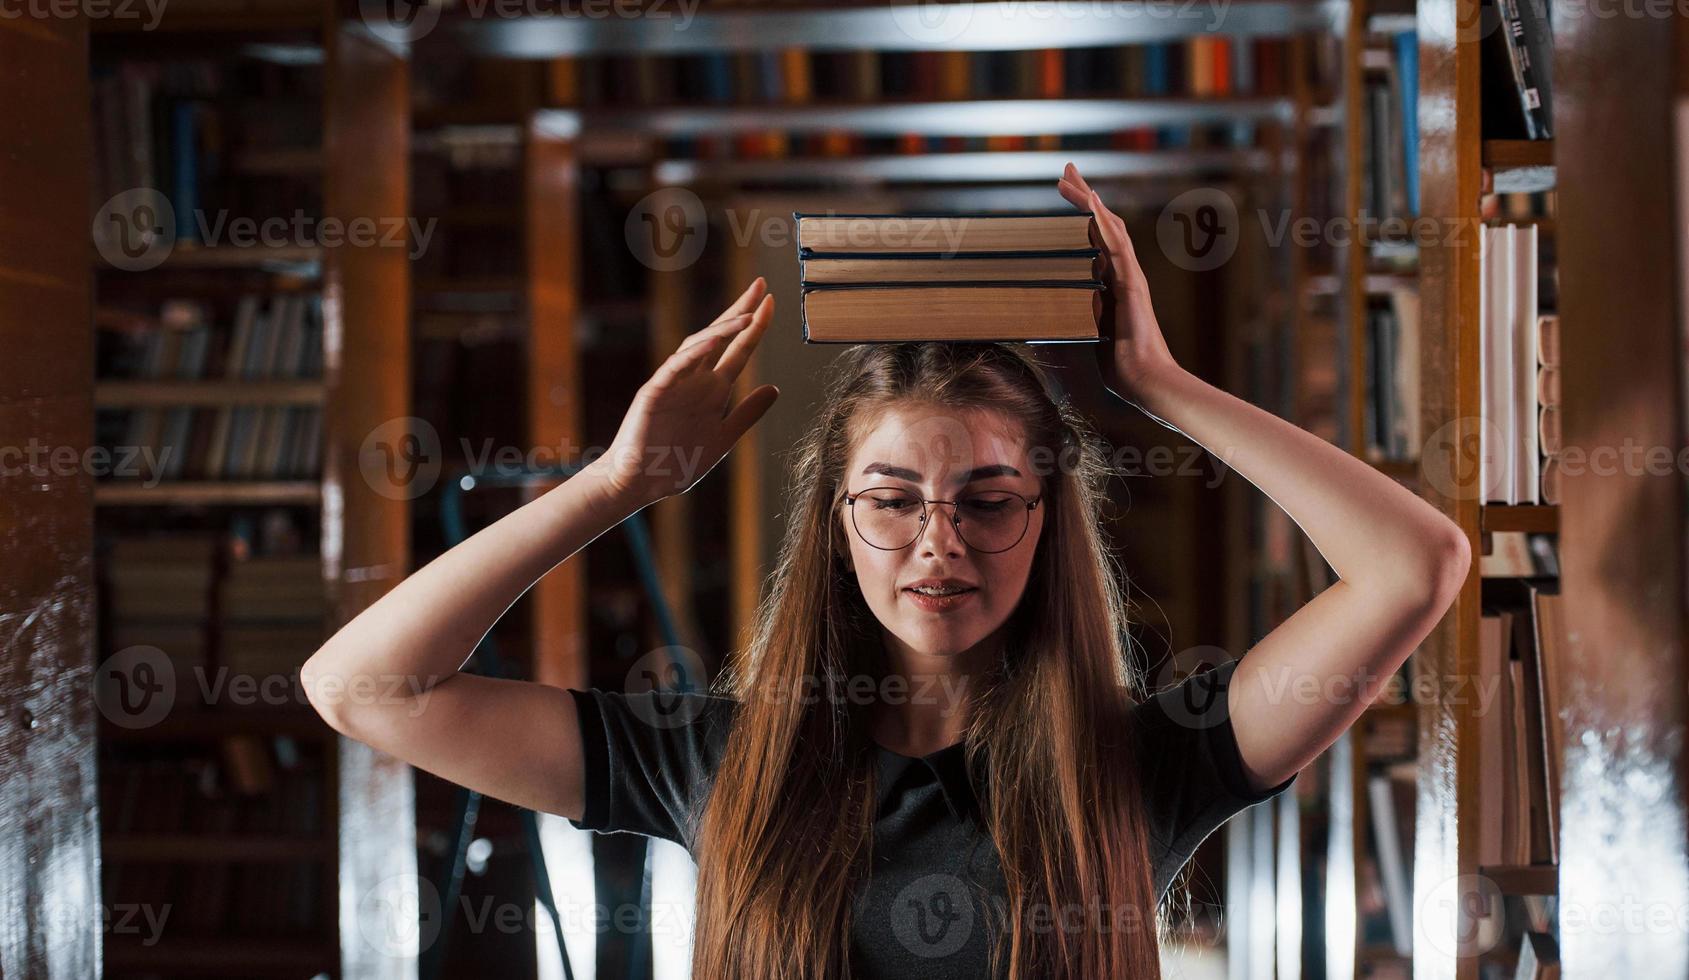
{"points": [[785, 834]]}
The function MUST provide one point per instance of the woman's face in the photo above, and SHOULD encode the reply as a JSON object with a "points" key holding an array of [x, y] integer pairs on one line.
{"points": [[937, 453]]}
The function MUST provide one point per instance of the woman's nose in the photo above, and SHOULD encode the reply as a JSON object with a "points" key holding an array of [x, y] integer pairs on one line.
{"points": [[943, 539]]}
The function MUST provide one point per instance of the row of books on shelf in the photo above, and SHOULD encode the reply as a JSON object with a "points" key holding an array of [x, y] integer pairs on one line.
{"points": [[774, 144], [1518, 364], [1523, 208], [948, 276], [199, 797], [272, 337], [1520, 555], [259, 616], [1520, 656], [235, 442], [1392, 382], [1384, 903], [236, 785], [186, 129], [1198, 66], [1384, 874], [1516, 70], [1390, 115], [277, 340]]}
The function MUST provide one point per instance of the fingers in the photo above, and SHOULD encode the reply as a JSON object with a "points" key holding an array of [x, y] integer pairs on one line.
{"points": [[1071, 174], [1077, 190], [747, 300], [745, 341], [726, 325], [746, 414], [698, 349], [1073, 187], [1123, 258]]}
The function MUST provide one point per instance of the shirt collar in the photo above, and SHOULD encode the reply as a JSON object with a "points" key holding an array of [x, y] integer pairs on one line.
{"points": [[948, 767]]}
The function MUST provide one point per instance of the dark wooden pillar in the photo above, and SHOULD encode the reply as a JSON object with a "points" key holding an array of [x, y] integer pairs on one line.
{"points": [[49, 851], [366, 534], [1621, 119]]}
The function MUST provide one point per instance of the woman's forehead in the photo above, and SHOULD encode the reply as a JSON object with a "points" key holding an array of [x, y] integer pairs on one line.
{"points": [[940, 444]]}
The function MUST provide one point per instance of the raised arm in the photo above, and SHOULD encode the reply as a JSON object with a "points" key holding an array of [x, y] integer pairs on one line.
{"points": [[1400, 562], [391, 677]]}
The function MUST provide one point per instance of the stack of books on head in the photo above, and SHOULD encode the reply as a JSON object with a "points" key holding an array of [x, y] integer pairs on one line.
{"points": [[956, 276]]}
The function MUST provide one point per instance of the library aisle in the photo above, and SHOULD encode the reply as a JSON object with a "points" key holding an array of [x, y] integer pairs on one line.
{"points": [[298, 297]]}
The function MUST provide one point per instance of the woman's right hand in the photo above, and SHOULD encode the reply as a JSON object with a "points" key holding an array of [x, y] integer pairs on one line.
{"points": [[683, 421]]}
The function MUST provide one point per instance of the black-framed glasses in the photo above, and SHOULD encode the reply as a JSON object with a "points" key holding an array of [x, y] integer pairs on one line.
{"points": [[987, 521]]}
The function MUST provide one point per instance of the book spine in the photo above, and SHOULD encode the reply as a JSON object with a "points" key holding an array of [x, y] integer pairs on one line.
{"points": [[1528, 42]]}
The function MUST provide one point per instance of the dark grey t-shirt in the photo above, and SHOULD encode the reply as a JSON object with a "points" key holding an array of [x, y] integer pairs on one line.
{"points": [[922, 908]]}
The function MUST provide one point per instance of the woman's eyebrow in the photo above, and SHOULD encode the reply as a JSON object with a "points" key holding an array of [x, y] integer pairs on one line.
{"points": [[977, 473]]}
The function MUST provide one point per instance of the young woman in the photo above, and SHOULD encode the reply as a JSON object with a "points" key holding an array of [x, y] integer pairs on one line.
{"points": [[889, 782]]}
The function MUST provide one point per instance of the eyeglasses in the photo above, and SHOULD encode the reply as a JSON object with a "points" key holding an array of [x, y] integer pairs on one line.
{"points": [[987, 521]]}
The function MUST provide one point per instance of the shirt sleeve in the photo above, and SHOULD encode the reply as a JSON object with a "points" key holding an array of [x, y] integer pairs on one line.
{"points": [[649, 759], [1192, 773]]}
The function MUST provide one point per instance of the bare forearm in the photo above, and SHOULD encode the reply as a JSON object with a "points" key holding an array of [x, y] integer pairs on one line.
{"points": [[1371, 529], [426, 627]]}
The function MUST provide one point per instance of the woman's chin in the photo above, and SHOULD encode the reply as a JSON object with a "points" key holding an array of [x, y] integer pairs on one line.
{"points": [[941, 641]]}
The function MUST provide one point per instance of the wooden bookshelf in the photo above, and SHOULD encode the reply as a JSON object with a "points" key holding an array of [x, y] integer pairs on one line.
{"points": [[200, 493], [1523, 879], [1335, 299], [1520, 166], [824, 26], [160, 394], [1463, 932], [1534, 518], [359, 839]]}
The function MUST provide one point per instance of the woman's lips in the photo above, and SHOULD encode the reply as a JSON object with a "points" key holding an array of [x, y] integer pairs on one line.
{"points": [[937, 603]]}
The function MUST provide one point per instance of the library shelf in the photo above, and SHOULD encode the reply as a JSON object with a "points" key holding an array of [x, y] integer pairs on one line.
{"points": [[1060, 115], [1523, 879], [217, 956], [193, 725], [225, 847], [186, 256], [192, 493], [161, 394], [829, 27], [983, 166], [1535, 518], [1520, 166]]}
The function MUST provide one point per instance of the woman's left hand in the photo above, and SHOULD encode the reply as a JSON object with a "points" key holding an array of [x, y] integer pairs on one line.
{"points": [[1133, 354]]}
